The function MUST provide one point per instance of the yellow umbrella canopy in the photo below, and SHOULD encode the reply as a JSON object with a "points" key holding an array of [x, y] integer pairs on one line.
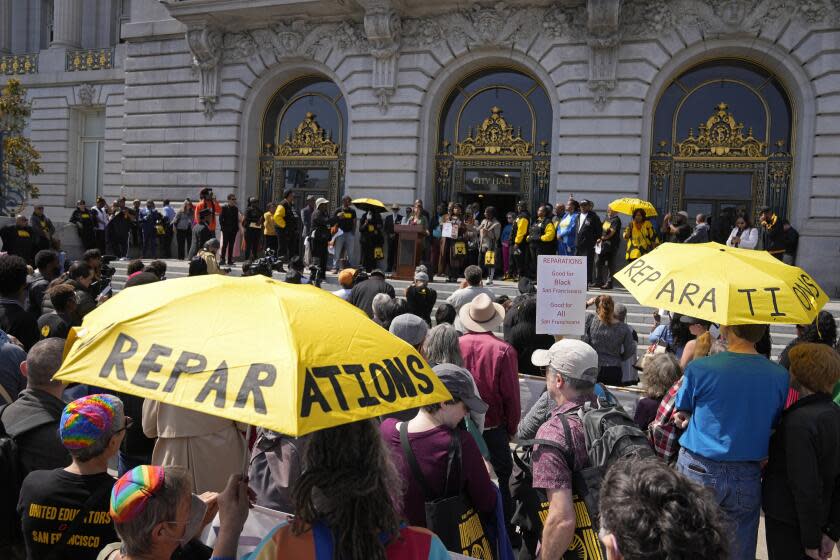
{"points": [[630, 205], [290, 358], [723, 285], [368, 205]]}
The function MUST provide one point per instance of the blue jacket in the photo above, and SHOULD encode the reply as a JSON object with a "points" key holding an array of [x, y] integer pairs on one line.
{"points": [[567, 235]]}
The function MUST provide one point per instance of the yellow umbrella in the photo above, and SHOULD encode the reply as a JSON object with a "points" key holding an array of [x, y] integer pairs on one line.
{"points": [[630, 205], [723, 285], [368, 205], [289, 358]]}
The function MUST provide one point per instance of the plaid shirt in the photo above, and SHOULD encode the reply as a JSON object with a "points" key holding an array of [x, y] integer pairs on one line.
{"points": [[662, 432]]}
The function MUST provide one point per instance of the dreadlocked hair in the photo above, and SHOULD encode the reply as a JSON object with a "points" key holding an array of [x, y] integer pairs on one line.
{"points": [[350, 485]]}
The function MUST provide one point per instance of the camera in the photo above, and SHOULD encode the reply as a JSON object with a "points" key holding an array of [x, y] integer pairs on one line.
{"points": [[264, 265], [106, 273]]}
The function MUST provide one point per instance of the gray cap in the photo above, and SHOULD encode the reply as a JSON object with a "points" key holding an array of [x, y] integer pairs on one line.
{"points": [[459, 382], [421, 276], [572, 358], [410, 328]]}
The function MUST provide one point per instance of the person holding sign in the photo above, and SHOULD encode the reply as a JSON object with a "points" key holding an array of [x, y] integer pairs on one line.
{"points": [[541, 239], [489, 231], [453, 247]]}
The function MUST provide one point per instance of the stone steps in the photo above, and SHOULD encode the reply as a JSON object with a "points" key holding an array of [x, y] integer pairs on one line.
{"points": [[639, 317]]}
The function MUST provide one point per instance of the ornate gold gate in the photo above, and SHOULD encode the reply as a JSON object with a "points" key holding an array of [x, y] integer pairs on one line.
{"points": [[722, 148], [494, 158]]}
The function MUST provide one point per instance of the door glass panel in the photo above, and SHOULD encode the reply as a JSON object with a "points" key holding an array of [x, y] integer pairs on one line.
{"points": [[694, 207], [300, 178], [90, 171], [718, 185]]}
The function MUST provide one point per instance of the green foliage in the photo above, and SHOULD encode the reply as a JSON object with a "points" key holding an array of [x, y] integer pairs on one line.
{"points": [[20, 158]]}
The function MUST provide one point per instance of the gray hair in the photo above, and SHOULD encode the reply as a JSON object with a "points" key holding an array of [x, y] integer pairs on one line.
{"points": [[620, 312], [382, 305], [98, 446], [660, 373], [212, 244], [43, 361], [162, 506], [441, 346], [579, 386]]}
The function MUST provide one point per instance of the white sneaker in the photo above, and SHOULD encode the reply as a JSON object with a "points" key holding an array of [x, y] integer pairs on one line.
{"points": [[490, 282]]}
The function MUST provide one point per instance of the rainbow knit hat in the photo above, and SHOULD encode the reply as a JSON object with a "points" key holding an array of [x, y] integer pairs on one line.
{"points": [[132, 491], [86, 419]]}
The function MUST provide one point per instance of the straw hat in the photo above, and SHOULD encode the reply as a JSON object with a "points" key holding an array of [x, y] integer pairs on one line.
{"points": [[481, 314]]}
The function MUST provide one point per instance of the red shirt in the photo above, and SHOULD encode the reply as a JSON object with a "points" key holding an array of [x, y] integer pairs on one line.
{"points": [[550, 468], [493, 364], [215, 206]]}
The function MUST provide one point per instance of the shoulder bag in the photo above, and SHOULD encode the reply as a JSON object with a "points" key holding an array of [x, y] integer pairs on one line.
{"points": [[451, 517]]}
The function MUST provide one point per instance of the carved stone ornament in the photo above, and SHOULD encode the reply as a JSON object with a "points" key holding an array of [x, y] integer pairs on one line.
{"points": [[494, 137], [297, 38], [475, 26], [308, 140], [205, 44], [86, 94], [602, 23], [648, 18], [382, 27], [721, 136]]}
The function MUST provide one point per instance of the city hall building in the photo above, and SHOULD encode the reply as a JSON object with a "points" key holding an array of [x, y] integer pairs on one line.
{"points": [[712, 106]]}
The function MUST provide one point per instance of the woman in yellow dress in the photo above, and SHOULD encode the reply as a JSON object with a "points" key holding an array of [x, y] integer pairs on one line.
{"points": [[640, 235]]}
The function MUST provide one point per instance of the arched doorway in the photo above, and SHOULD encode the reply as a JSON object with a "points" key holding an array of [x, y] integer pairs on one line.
{"points": [[304, 134], [723, 142], [493, 141]]}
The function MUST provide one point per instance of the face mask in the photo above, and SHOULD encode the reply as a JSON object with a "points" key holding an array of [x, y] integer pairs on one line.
{"points": [[197, 511]]}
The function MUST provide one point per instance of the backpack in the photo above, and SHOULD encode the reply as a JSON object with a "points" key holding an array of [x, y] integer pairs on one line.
{"points": [[610, 435], [12, 474]]}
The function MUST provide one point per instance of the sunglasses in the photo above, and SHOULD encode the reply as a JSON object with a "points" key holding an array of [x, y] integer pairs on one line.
{"points": [[129, 422]]}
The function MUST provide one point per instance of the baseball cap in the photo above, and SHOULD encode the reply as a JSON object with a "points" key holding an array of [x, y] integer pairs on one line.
{"points": [[409, 328], [572, 358], [86, 420], [321, 201], [460, 384], [377, 272], [421, 276]]}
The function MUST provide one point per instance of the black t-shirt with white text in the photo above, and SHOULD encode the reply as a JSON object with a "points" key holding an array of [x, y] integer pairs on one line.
{"points": [[50, 500]]}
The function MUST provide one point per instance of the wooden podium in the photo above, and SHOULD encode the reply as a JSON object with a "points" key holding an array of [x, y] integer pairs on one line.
{"points": [[409, 250]]}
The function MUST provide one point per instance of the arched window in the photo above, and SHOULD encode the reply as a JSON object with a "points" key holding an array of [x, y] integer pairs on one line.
{"points": [[494, 132], [304, 132], [722, 143]]}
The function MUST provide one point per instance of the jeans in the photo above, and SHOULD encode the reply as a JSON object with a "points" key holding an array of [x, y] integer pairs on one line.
{"points": [[498, 443], [736, 486], [344, 249]]}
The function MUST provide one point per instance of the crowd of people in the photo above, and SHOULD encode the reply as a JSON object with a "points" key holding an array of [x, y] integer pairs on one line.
{"points": [[728, 433], [454, 236]]}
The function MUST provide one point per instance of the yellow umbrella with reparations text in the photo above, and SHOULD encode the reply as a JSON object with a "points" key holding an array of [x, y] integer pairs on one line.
{"points": [[723, 285], [290, 358], [630, 205]]}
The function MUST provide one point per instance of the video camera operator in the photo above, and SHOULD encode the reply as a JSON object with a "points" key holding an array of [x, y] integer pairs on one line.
{"points": [[264, 265]]}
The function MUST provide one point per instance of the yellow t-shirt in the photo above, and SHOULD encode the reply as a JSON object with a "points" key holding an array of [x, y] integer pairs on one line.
{"points": [[268, 224], [280, 216]]}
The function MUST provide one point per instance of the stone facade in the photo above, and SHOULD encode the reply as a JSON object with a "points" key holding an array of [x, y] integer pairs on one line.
{"points": [[188, 82]]}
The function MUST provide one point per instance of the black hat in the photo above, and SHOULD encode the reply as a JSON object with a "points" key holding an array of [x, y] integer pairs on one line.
{"points": [[526, 286], [377, 272], [585, 201]]}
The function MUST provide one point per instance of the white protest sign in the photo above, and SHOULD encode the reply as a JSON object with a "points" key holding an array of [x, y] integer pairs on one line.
{"points": [[446, 230], [561, 295]]}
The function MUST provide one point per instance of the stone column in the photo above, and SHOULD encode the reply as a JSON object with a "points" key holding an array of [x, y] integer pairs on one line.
{"points": [[5, 26], [67, 24]]}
